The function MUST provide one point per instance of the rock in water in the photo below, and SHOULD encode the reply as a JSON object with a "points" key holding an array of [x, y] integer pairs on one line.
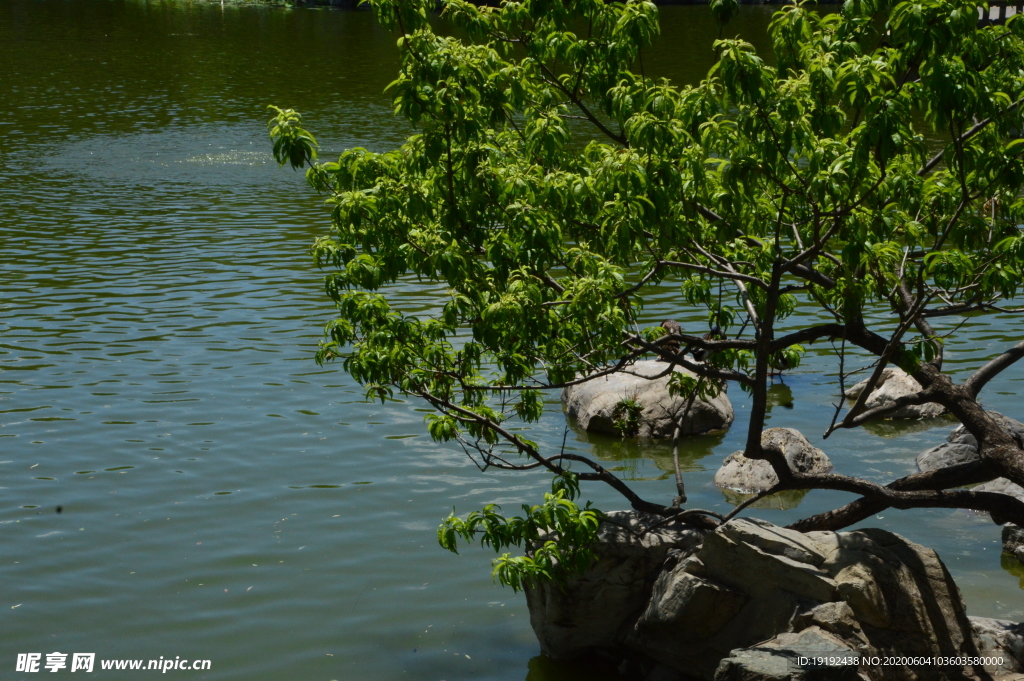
{"points": [[750, 476], [586, 614], [597, 404], [945, 455], [752, 598], [960, 434], [1000, 638], [1013, 541], [1002, 486], [962, 447], [893, 384]]}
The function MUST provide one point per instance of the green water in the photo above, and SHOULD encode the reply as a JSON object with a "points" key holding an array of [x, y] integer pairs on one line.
{"points": [[224, 498]]}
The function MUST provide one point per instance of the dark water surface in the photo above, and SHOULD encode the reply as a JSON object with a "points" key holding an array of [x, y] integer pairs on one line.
{"points": [[222, 496]]}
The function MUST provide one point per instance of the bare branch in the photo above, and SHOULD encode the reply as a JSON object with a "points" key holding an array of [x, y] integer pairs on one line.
{"points": [[969, 307], [809, 335], [976, 382], [969, 473], [975, 129], [922, 397], [600, 473], [731, 274]]}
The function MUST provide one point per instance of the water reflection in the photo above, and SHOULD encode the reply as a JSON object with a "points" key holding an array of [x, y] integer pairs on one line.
{"points": [[780, 501], [545, 669], [629, 451], [780, 395], [1012, 566], [895, 428]]}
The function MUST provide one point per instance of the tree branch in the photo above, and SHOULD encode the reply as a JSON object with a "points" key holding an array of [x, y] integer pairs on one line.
{"points": [[977, 381], [600, 473], [934, 160], [698, 369]]}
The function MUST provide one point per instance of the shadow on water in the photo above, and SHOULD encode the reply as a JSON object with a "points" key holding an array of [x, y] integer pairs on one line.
{"points": [[543, 668]]}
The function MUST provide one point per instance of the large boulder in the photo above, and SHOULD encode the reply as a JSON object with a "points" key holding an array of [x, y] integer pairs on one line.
{"points": [[753, 598], [603, 404], [893, 384], [749, 476], [586, 615]]}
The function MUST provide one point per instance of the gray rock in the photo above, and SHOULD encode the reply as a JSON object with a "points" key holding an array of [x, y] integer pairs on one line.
{"points": [[960, 434], [1002, 486], [837, 618], [596, 404], [754, 475], [587, 613], [1000, 639], [962, 447], [866, 591], [783, 659], [755, 597], [946, 454], [895, 383], [1013, 541]]}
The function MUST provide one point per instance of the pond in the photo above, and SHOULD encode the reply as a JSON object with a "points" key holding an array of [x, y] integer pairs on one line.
{"points": [[220, 496]]}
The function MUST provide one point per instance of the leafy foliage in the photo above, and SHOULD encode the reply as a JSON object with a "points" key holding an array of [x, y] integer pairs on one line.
{"points": [[558, 534], [552, 188]]}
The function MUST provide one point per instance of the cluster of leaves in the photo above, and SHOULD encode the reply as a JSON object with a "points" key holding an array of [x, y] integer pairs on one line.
{"points": [[626, 415], [558, 535], [552, 188]]}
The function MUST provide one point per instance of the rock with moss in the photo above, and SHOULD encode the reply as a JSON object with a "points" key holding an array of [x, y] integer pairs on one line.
{"points": [[637, 402]]}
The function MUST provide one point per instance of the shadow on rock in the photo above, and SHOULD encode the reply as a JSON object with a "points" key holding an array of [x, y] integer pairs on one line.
{"points": [[755, 602]]}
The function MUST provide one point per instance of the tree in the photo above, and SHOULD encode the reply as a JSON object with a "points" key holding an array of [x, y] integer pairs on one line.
{"points": [[552, 187]]}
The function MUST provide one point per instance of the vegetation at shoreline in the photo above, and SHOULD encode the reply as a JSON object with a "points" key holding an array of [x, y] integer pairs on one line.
{"points": [[554, 187]]}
